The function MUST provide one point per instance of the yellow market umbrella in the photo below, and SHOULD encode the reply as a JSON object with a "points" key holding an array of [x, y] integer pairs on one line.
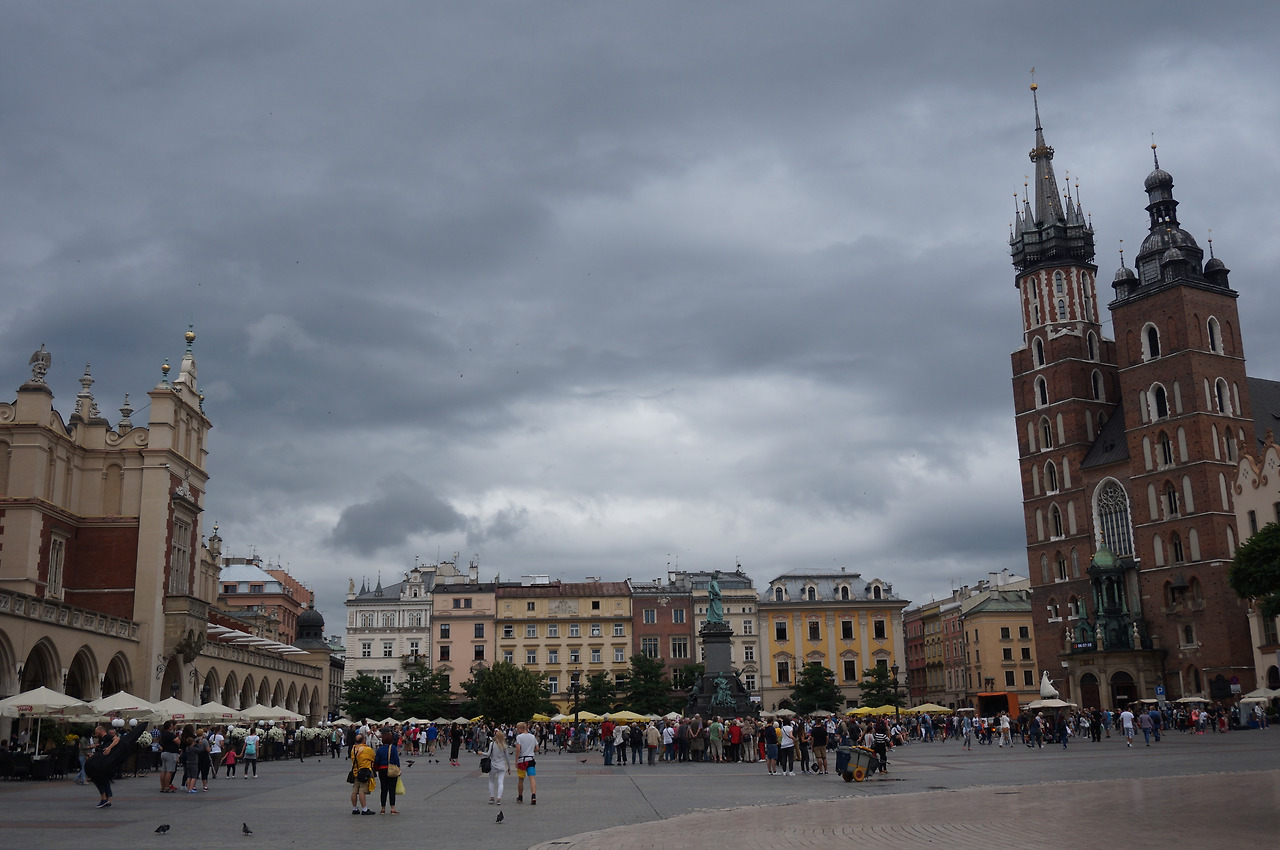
{"points": [[928, 708], [626, 717], [478, 718], [541, 718], [588, 717], [860, 711]]}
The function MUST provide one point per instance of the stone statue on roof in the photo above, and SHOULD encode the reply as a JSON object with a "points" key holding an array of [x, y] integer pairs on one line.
{"points": [[40, 363]]}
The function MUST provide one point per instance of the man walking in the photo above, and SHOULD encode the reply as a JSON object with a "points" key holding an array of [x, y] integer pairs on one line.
{"points": [[169, 750], [526, 746], [1126, 724]]}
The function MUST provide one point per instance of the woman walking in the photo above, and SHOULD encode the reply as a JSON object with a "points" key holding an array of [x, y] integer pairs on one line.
{"points": [[499, 765], [362, 758], [190, 758], [105, 767], [455, 741], [388, 754]]}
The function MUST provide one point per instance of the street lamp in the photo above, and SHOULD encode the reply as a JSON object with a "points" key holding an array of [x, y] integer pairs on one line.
{"points": [[575, 688], [894, 670]]}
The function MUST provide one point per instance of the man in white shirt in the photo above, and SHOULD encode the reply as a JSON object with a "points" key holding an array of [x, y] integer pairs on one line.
{"points": [[1005, 736], [787, 748], [1126, 723], [526, 747]]}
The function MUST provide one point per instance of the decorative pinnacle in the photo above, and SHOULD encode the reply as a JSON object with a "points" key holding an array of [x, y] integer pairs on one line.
{"points": [[1155, 156], [189, 336], [1211, 243]]}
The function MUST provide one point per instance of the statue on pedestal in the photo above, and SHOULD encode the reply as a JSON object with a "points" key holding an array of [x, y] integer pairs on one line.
{"points": [[715, 607]]}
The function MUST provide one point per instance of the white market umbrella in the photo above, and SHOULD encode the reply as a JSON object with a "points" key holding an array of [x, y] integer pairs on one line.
{"points": [[461, 721], [266, 712], [1051, 703], [674, 715], [1190, 700], [217, 711], [784, 712], [126, 705], [177, 709], [41, 703]]}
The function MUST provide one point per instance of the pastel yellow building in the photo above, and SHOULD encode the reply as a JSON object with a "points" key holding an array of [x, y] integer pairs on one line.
{"points": [[837, 619], [565, 630]]}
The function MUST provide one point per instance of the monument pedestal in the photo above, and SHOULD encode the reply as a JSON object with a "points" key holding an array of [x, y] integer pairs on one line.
{"points": [[720, 691]]}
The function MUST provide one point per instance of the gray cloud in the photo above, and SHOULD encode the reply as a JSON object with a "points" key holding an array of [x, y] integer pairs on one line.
{"points": [[403, 508]]}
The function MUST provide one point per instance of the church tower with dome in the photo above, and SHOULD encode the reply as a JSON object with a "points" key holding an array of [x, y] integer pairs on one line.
{"points": [[1127, 448]]}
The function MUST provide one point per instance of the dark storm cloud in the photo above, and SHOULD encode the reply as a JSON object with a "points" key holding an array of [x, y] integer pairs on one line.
{"points": [[402, 508], [626, 281]]}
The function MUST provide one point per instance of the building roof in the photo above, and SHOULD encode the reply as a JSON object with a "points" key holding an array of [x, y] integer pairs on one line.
{"points": [[1002, 602], [564, 589], [1264, 396], [1110, 446], [247, 573], [827, 587]]}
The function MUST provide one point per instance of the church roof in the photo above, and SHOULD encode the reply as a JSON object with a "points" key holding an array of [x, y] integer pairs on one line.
{"points": [[1264, 396], [1110, 446]]}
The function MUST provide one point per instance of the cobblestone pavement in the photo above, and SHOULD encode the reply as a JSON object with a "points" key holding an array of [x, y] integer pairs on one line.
{"points": [[1186, 788]]}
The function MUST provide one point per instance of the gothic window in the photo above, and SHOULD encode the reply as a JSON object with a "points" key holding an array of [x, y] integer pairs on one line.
{"points": [[1044, 569], [1055, 520], [1062, 310], [1037, 349], [1058, 286], [1215, 336], [1112, 509], [1166, 450], [1035, 313], [1150, 342], [1175, 549], [1088, 311], [1075, 564], [1062, 567], [1096, 380], [1046, 434], [1042, 392], [1170, 501], [1160, 402], [1050, 477], [1093, 346], [1222, 396]]}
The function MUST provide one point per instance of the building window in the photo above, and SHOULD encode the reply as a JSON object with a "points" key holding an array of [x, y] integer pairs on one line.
{"points": [[814, 630], [677, 615], [878, 629], [650, 616], [553, 630], [1171, 501], [531, 656], [553, 656], [1008, 653], [508, 631], [531, 630], [457, 603], [1026, 653], [553, 685], [619, 630], [595, 630], [574, 630], [444, 652], [619, 655], [784, 672], [528, 606], [366, 649], [508, 656], [595, 605], [595, 656], [180, 559], [575, 656], [1024, 632], [1037, 349], [1113, 519], [1253, 522], [679, 647], [444, 631], [1046, 434], [749, 626], [748, 652], [844, 593], [846, 629], [1004, 633], [649, 647], [388, 621], [479, 630], [386, 682], [1188, 635], [777, 594], [1175, 548], [1152, 339], [413, 647], [1042, 392], [57, 553], [1051, 477], [466, 602], [388, 648], [851, 669], [1009, 680], [811, 594], [749, 681]]}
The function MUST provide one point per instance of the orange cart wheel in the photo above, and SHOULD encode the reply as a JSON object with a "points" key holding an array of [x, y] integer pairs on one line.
{"points": [[859, 773]]}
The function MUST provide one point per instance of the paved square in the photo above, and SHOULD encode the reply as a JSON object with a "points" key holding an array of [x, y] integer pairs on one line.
{"points": [[1187, 788]]}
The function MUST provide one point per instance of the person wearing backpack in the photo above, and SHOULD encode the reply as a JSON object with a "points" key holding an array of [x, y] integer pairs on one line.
{"points": [[249, 752]]}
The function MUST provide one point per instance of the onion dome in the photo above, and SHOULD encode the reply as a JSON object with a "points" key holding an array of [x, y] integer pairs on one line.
{"points": [[1124, 274]]}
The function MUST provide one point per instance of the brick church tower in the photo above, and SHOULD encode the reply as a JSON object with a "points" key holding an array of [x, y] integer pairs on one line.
{"points": [[1126, 448]]}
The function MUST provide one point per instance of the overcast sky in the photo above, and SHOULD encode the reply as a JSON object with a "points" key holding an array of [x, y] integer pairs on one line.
{"points": [[594, 289]]}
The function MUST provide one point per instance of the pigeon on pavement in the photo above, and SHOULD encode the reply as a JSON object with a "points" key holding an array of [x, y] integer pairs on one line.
{"points": [[162, 828], [244, 827], [499, 820]]}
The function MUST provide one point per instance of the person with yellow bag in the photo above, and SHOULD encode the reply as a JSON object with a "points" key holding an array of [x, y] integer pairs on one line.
{"points": [[387, 763], [361, 776]]}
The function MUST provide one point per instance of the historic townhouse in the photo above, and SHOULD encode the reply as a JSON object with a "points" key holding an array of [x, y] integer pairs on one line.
{"points": [[389, 628]]}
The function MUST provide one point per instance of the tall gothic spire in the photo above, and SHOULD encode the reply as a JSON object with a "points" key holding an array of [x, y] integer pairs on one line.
{"points": [[1048, 204]]}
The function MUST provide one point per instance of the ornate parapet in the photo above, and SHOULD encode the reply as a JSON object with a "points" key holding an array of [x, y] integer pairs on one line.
{"points": [[259, 658], [58, 613]]}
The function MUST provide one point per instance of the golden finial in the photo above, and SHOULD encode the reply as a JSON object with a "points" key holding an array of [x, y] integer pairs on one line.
{"points": [[1033, 80], [190, 335], [165, 367]]}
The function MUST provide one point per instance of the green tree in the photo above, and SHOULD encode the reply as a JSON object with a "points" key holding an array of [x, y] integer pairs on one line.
{"points": [[364, 696], [878, 688], [506, 693], [815, 688], [424, 693], [1255, 572], [684, 678], [648, 689], [599, 694]]}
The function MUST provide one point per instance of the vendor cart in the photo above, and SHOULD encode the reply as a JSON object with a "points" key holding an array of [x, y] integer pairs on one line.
{"points": [[854, 763]]}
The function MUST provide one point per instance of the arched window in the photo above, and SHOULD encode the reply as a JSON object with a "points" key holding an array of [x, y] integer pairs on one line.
{"points": [[811, 594], [777, 594], [1188, 635], [1046, 434], [1075, 564], [1175, 549], [1055, 612], [1051, 477], [1073, 607], [1035, 312], [1061, 563], [1222, 396], [1093, 346], [1160, 402], [1166, 449], [1042, 392], [1058, 283], [1215, 336], [1170, 501], [1062, 310], [1037, 349], [1099, 393], [1088, 309], [875, 592], [1055, 522], [844, 593], [1150, 342], [1112, 509]]}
